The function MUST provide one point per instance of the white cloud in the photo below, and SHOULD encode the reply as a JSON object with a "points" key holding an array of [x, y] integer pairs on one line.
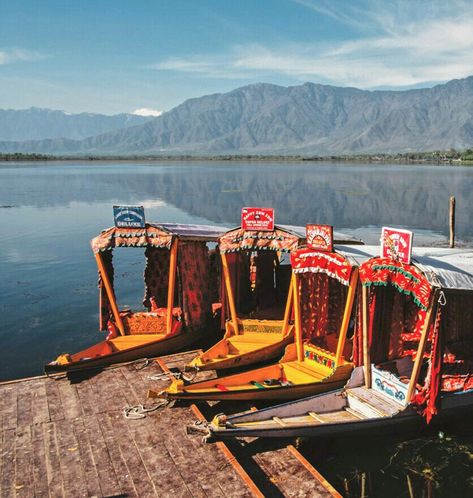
{"points": [[396, 44], [146, 111], [8, 56]]}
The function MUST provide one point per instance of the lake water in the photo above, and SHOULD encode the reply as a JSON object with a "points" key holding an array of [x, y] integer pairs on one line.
{"points": [[50, 211]]}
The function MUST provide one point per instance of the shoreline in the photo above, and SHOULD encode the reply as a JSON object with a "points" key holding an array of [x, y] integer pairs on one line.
{"points": [[411, 158]]}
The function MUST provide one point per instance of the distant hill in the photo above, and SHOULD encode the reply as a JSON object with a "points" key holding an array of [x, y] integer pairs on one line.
{"points": [[37, 124], [305, 119]]}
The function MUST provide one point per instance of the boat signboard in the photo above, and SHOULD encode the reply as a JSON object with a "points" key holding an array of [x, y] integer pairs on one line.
{"points": [[257, 219], [319, 237], [396, 244], [129, 216]]}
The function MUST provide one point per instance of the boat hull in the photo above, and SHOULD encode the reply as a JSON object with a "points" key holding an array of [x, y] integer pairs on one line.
{"points": [[261, 355], [159, 347]]}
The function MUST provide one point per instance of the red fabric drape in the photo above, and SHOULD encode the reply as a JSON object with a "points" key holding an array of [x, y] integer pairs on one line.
{"points": [[428, 398], [156, 276], [194, 277]]}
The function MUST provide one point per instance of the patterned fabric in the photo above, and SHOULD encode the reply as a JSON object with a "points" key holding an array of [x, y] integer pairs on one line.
{"points": [[194, 279], [405, 278], [241, 240], [322, 304], [156, 277], [333, 264], [151, 236]]}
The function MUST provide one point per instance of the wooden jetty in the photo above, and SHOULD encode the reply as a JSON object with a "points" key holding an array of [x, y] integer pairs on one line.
{"points": [[69, 437]]}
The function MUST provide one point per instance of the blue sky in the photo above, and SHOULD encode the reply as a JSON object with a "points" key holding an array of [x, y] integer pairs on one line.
{"points": [[115, 56]]}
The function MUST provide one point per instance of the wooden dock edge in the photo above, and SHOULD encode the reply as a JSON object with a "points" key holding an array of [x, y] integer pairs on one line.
{"points": [[221, 445], [241, 471]]}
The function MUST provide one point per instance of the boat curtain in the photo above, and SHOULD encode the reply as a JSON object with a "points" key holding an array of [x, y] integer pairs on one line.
{"points": [[239, 267], [322, 301], [265, 289], [156, 277], [105, 310], [195, 283]]}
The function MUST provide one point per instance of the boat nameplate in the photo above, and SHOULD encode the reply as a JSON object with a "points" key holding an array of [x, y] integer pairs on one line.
{"points": [[389, 385], [129, 216]]}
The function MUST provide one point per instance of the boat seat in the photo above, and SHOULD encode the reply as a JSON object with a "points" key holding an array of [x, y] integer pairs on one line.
{"points": [[295, 372], [254, 337], [128, 341]]}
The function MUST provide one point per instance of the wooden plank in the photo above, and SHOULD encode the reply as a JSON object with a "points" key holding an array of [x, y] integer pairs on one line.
{"points": [[39, 401], [69, 399], [24, 484], [129, 430], [40, 482], [118, 456], [54, 477], [24, 411], [8, 397], [54, 400], [87, 460], [109, 484], [7, 481], [333, 492], [72, 472]]}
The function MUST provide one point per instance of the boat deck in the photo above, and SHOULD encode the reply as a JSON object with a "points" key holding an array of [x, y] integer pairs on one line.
{"points": [[70, 438]]}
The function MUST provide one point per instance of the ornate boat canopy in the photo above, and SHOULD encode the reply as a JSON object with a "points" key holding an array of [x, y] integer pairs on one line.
{"points": [[154, 235], [337, 264], [279, 239]]}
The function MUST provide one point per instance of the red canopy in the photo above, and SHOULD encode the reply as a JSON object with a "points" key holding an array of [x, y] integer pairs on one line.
{"points": [[331, 263], [405, 278]]}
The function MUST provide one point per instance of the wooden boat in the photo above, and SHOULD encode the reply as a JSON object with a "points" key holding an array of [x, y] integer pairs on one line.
{"points": [[324, 285], [251, 260], [178, 269], [256, 286], [414, 351]]}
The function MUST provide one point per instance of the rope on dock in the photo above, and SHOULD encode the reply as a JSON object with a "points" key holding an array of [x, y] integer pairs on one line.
{"points": [[137, 412]]}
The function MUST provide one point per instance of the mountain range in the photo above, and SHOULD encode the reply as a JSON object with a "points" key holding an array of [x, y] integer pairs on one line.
{"points": [[304, 119], [37, 124]]}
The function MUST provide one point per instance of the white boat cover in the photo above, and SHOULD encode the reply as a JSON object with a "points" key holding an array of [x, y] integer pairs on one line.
{"points": [[443, 267], [194, 232]]}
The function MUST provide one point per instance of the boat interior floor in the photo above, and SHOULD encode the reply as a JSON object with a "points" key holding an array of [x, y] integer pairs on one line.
{"points": [[361, 403]]}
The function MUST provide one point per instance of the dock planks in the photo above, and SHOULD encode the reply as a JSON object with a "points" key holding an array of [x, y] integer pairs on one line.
{"points": [[68, 437]]}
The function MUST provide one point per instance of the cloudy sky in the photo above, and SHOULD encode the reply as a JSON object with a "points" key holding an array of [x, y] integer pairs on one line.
{"points": [[115, 56]]}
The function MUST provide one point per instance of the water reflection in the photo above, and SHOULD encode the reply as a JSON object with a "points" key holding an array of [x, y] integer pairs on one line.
{"points": [[347, 196], [48, 286]]}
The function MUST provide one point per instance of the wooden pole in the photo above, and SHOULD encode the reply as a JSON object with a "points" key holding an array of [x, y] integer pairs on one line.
{"points": [[171, 285], [366, 345], [421, 350], [452, 221], [346, 316], [110, 293], [231, 299], [287, 311], [297, 317]]}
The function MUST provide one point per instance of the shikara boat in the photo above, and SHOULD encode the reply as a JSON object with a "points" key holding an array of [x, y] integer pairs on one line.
{"points": [[258, 296], [258, 285], [324, 285], [413, 351], [181, 303]]}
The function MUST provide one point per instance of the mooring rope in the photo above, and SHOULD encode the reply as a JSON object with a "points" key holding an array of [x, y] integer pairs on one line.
{"points": [[137, 412]]}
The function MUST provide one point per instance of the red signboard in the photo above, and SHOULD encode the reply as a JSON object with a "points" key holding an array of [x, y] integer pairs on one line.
{"points": [[319, 237], [258, 219], [396, 244]]}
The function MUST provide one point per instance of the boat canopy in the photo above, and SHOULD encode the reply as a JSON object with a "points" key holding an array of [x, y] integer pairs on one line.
{"points": [[279, 239], [154, 235], [338, 237], [443, 268], [337, 264]]}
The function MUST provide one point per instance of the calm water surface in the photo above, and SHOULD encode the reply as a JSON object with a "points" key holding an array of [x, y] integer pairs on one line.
{"points": [[50, 211], [48, 277]]}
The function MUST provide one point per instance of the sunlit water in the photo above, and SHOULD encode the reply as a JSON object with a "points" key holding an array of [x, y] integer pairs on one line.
{"points": [[50, 211]]}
